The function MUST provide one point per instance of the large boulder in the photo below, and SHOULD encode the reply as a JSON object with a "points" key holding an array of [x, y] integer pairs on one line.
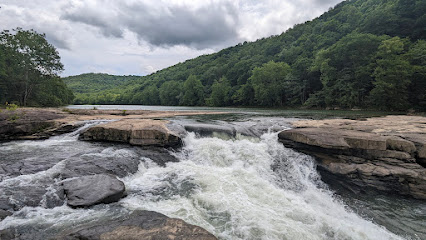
{"points": [[138, 225], [94, 189], [391, 161], [141, 132]]}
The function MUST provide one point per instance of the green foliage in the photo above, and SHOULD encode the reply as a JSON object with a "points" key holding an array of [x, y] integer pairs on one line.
{"points": [[333, 61], [170, 93], [11, 106], [392, 76], [346, 69], [268, 82], [100, 88], [221, 93], [193, 92], [417, 89], [148, 96], [13, 117], [28, 70]]}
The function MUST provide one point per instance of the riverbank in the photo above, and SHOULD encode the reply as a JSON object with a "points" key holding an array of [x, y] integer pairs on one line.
{"points": [[387, 154]]}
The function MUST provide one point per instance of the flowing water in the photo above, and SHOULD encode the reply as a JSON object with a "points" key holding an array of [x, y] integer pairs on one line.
{"points": [[235, 187]]}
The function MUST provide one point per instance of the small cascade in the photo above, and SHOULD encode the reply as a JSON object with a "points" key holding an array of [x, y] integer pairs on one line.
{"points": [[247, 189]]}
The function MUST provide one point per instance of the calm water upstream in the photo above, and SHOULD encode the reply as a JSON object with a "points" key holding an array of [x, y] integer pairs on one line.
{"points": [[236, 188]]}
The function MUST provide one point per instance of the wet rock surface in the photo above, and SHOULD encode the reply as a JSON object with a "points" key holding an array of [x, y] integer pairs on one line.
{"points": [[387, 158], [141, 132], [138, 225], [27, 123], [209, 129], [4, 214], [94, 189], [45, 188]]}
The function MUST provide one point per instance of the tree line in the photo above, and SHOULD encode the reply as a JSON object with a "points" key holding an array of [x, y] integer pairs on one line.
{"points": [[29, 68], [359, 54]]}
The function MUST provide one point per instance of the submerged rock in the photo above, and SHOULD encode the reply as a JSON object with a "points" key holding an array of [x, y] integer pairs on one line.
{"points": [[141, 132], [90, 190], [138, 225], [386, 161], [209, 129], [4, 214]]}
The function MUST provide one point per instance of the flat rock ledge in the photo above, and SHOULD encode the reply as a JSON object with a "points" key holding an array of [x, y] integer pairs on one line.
{"points": [[138, 225], [32, 124], [141, 132], [389, 156]]}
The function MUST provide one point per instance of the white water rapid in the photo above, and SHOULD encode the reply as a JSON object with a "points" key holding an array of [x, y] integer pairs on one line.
{"points": [[229, 188], [244, 188]]}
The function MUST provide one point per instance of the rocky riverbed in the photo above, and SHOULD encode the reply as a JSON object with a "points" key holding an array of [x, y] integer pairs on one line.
{"points": [[387, 154], [82, 183], [117, 173]]}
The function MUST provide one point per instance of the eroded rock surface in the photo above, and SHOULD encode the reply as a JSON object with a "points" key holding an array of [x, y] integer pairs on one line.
{"points": [[94, 189], [389, 157], [141, 132], [138, 225], [27, 124]]}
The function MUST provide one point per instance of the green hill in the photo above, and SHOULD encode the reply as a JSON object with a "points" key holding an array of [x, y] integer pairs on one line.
{"points": [[97, 87], [359, 54]]}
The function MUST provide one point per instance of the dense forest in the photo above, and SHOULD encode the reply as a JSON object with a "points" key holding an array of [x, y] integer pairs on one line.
{"points": [[29, 68], [359, 54], [97, 87]]}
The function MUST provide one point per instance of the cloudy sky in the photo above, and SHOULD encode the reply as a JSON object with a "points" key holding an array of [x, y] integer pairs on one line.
{"points": [[138, 37]]}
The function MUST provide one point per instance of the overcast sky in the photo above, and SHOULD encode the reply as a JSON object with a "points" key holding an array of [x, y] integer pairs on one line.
{"points": [[138, 37]]}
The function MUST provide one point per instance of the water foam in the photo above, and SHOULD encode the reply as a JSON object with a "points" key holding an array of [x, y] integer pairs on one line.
{"points": [[230, 188]]}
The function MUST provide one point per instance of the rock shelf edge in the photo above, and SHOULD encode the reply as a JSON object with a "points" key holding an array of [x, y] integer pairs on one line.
{"points": [[386, 154]]}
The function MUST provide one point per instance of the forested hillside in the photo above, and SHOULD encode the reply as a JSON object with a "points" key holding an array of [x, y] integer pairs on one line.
{"points": [[360, 54], [96, 87], [29, 68]]}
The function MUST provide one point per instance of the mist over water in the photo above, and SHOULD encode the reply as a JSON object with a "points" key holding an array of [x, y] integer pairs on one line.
{"points": [[235, 187]]}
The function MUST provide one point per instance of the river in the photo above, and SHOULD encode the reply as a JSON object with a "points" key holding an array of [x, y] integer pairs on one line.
{"points": [[235, 187]]}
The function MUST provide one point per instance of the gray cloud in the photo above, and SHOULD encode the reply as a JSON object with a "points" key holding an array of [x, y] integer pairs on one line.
{"points": [[206, 26], [18, 17], [58, 41], [141, 36], [108, 26]]}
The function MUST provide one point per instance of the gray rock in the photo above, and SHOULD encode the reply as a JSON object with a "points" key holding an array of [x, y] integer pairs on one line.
{"points": [[138, 225], [364, 160], [15, 197], [80, 166], [4, 214], [90, 190]]}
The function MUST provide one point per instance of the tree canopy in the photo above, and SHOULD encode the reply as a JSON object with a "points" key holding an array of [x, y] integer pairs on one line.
{"points": [[29, 68], [337, 60]]}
